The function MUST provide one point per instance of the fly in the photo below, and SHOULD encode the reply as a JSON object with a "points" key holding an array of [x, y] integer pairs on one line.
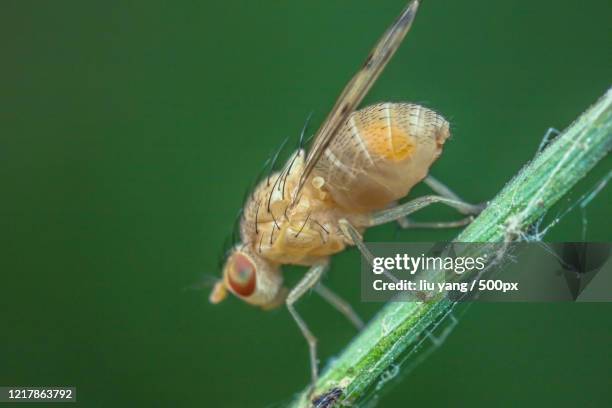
{"points": [[358, 167]]}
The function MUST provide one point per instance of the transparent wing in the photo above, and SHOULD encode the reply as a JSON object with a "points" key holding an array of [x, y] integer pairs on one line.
{"points": [[358, 87]]}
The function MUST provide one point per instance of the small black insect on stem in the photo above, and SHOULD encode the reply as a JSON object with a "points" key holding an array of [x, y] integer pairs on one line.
{"points": [[327, 399]]}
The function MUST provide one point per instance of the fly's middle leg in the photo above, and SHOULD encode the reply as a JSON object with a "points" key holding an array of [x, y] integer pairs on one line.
{"points": [[350, 232], [353, 234], [340, 304], [309, 281]]}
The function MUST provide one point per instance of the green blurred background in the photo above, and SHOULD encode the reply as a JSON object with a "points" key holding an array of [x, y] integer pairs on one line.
{"points": [[129, 132]]}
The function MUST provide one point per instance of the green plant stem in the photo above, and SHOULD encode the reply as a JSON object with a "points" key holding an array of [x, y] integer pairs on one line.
{"points": [[540, 184]]}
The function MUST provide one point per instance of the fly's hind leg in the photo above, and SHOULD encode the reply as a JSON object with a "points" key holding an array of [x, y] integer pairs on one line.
{"points": [[309, 281], [401, 211], [444, 191], [406, 223]]}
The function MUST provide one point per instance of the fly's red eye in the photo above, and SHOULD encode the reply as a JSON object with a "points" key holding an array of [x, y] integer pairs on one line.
{"points": [[241, 275]]}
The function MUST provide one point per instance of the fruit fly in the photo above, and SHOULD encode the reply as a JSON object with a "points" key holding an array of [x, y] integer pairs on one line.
{"points": [[359, 165]]}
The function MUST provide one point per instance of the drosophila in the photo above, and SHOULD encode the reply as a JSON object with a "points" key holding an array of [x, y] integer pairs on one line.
{"points": [[359, 165]]}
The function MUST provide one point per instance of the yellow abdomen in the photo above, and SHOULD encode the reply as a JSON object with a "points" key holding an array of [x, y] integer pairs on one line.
{"points": [[380, 154]]}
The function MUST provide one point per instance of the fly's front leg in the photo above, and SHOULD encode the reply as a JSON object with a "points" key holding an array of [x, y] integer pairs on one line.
{"points": [[309, 280], [401, 211]]}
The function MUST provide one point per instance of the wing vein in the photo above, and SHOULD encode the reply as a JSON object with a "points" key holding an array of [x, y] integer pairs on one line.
{"points": [[356, 89]]}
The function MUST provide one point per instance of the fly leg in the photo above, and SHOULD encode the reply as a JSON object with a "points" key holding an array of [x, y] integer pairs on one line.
{"points": [[350, 232], [444, 191], [309, 280], [406, 223], [401, 211], [340, 304]]}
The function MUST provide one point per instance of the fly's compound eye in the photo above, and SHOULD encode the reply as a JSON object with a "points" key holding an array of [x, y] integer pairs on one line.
{"points": [[241, 275]]}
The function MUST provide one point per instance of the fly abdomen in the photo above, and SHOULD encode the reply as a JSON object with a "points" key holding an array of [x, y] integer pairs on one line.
{"points": [[380, 154]]}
